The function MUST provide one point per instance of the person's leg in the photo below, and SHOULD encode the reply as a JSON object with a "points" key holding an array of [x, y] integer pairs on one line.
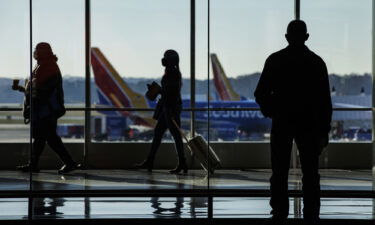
{"points": [[39, 143], [55, 142], [177, 137], [182, 166], [308, 147], [159, 131], [38, 146], [281, 145]]}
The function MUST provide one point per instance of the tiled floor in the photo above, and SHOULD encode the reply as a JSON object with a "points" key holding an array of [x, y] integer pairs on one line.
{"points": [[172, 207]]}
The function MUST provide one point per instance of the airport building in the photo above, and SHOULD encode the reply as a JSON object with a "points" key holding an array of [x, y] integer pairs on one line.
{"points": [[109, 51]]}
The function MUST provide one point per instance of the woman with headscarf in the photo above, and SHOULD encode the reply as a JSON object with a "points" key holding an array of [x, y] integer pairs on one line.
{"points": [[47, 105]]}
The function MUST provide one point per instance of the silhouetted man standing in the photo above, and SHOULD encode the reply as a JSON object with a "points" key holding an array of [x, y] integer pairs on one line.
{"points": [[294, 91]]}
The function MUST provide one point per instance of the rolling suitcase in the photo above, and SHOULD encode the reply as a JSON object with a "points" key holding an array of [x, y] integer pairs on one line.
{"points": [[200, 149]]}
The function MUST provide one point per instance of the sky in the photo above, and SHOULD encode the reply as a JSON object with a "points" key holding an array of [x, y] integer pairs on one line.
{"points": [[133, 34]]}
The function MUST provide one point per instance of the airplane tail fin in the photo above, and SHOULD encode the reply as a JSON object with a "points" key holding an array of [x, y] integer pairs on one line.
{"points": [[222, 84], [112, 88]]}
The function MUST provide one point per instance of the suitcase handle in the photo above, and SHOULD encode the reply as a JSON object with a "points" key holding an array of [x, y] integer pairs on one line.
{"points": [[179, 129]]}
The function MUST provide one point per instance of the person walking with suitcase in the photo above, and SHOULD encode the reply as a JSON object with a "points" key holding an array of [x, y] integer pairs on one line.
{"points": [[294, 91], [168, 109]]}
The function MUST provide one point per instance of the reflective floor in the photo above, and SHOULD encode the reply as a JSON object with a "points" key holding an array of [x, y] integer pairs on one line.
{"points": [[160, 179], [182, 207]]}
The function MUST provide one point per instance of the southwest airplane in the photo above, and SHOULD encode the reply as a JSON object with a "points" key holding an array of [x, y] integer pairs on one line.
{"points": [[113, 91]]}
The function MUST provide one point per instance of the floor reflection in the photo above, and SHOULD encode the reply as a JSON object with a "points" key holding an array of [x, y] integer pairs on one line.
{"points": [[163, 211], [177, 207], [155, 207], [331, 179], [48, 207]]}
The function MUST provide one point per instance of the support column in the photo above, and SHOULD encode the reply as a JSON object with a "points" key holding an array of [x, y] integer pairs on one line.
{"points": [[87, 81], [30, 199], [373, 101], [192, 66], [297, 9]]}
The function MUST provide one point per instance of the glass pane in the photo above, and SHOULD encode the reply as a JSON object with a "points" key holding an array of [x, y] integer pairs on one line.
{"points": [[67, 21], [341, 33], [14, 141], [201, 54], [15, 45], [125, 59], [237, 60], [242, 35], [14, 134], [129, 39], [59, 70]]}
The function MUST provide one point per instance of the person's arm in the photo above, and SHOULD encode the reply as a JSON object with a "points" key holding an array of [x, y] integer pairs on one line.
{"points": [[264, 90], [326, 106], [18, 88], [326, 100], [21, 89]]}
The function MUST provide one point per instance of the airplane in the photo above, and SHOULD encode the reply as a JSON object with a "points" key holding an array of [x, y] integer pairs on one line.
{"points": [[113, 91], [225, 92], [223, 86]]}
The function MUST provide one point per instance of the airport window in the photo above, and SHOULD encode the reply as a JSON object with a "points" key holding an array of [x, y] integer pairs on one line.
{"points": [[67, 42], [15, 64], [132, 59], [108, 51], [347, 53], [242, 35]]}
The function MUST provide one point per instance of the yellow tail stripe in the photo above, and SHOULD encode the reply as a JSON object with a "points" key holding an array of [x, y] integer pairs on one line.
{"points": [[136, 100]]}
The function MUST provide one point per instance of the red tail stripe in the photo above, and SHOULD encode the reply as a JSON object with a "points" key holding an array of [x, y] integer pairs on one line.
{"points": [[106, 84]]}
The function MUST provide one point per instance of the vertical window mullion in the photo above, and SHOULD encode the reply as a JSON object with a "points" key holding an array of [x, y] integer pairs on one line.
{"points": [[87, 79], [192, 66], [373, 98], [297, 9], [30, 202]]}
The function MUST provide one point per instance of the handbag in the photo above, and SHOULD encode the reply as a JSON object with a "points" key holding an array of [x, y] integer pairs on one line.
{"points": [[56, 105]]}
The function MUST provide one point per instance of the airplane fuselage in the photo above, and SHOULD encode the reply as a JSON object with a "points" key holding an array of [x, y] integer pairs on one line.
{"points": [[214, 113]]}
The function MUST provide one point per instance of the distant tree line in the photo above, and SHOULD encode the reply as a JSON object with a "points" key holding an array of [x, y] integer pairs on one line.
{"points": [[74, 87]]}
